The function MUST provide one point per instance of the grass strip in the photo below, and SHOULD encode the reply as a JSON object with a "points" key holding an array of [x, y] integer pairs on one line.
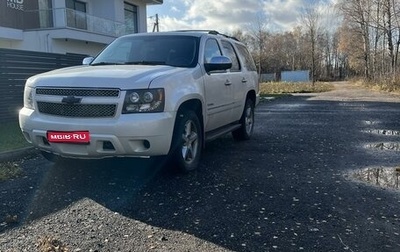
{"points": [[11, 137], [276, 88]]}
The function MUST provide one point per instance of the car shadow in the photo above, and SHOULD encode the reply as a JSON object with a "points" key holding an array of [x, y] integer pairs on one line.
{"points": [[111, 182]]}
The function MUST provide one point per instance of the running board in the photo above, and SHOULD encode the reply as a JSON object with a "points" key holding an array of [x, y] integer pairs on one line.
{"points": [[221, 131]]}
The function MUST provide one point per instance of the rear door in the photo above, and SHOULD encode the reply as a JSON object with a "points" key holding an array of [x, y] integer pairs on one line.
{"points": [[237, 79]]}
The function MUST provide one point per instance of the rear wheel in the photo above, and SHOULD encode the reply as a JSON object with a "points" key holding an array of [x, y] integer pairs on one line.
{"points": [[246, 121], [187, 142]]}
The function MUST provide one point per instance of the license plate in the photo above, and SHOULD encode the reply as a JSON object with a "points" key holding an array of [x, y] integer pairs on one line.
{"points": [[68, 137]]}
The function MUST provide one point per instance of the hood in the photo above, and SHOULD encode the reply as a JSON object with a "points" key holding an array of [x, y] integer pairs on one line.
{"points": [[110, 76]]}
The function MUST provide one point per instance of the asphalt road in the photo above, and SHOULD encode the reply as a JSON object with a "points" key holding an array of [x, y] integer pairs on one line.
{"points": [[290, 188]]}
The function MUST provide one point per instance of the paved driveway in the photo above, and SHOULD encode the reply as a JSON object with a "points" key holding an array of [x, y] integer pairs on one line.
{"points": [[290, 188]]}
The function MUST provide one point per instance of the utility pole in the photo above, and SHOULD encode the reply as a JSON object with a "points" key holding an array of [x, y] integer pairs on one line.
{"points": [[156, 25]]}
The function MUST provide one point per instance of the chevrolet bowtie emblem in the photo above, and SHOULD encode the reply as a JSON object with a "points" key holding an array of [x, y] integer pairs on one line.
{"points": [[71, 100]]}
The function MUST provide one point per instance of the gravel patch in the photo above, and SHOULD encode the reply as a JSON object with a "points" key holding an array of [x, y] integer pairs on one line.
{"points": [[88, 226]]}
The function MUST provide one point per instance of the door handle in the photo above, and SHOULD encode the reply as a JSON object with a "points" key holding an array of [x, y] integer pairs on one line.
{"points": [[244, 80], [228, 83]]}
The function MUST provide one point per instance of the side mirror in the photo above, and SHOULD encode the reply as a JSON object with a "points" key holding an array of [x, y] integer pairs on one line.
{"points": [[218, 63], [87, 60]]}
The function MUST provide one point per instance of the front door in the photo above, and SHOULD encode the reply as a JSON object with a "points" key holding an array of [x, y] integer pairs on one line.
{"points": [[218, 90]]}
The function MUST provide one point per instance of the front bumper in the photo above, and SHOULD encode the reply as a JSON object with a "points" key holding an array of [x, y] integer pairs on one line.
{"points": [[131, 135]]}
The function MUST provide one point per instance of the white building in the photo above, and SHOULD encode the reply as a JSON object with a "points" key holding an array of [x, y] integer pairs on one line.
{"points": [[69, 26]]}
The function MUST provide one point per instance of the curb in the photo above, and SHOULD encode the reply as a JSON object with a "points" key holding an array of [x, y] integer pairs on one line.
{"points": [[14, 155]]}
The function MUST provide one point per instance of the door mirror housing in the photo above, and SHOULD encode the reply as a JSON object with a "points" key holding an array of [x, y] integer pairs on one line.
{"points": [[218, 63], [87, 60]]}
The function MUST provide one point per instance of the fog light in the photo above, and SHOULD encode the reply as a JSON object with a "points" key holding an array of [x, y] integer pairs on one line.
{"points": [[107, 145], [146, 144]]}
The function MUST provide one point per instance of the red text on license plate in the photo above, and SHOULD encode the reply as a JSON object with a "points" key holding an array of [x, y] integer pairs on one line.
{"points": [[68, 137]]}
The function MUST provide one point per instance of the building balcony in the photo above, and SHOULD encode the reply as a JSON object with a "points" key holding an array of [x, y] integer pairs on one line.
{"points": [[153, 1], [63, 18]]}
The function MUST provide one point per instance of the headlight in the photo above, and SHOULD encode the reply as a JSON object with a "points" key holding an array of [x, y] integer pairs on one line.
{"points": [[144, 101], [134, 97], [148, 97], [28, 97]]}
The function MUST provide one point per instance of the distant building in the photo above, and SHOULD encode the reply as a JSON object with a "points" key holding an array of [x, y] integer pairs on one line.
{"points": [[295, 76], [69, 26], [268, 77]]}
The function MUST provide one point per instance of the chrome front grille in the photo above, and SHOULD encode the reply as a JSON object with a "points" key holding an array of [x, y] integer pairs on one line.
{"points": [[78, 92], [50, 101]]}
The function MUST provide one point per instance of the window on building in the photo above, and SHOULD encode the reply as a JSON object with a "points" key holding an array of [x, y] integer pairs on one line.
{"points": [[45, 13], [76, 14], [131, 18]]}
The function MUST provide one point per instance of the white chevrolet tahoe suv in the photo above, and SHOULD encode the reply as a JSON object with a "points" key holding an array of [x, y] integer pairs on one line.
{"points": [[145, 95]]}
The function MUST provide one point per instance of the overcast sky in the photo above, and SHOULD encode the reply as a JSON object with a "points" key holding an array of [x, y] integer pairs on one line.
{"points": [[227, 15]]}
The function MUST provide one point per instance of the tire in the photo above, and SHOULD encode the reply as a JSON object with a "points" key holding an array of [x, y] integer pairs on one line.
{"points": [[246, 121], [187, 142]]}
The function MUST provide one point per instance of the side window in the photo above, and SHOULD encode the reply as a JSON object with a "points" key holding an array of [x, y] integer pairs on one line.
{"points": [[230, 52], [211, 49], [249, 62]]}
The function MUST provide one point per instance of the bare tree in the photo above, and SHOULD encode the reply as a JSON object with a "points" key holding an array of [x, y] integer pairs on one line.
{"points": [[328, 40], [389, 31], [358, 13], [311, 22], [377, 36], [258, 31], [367, 43], [396, 16]]}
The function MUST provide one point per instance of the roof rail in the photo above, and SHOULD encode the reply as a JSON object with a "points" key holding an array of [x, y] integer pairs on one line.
{"points": [[213, 32]]}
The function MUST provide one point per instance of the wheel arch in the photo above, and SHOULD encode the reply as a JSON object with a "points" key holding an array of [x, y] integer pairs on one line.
{"points": [[196, 106], [251, 95]]}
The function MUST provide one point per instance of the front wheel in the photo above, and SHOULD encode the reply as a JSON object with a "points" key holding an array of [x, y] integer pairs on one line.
{"points": [[246, 122], [187, 142]]}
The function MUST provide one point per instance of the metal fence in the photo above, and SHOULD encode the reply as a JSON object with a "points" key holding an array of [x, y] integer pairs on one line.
{"points": [[16, 67]]}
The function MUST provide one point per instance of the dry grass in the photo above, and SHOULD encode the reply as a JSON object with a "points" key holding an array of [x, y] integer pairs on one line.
{"points": [[271, 88], [50, 244], [388, 84]]}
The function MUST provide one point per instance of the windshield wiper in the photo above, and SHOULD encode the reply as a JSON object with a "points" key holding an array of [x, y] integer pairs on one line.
{"points": [[145, 62], [103, 63]]}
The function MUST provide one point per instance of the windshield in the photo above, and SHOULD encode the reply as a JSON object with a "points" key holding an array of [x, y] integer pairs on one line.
{"points": [[180, 51]]}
